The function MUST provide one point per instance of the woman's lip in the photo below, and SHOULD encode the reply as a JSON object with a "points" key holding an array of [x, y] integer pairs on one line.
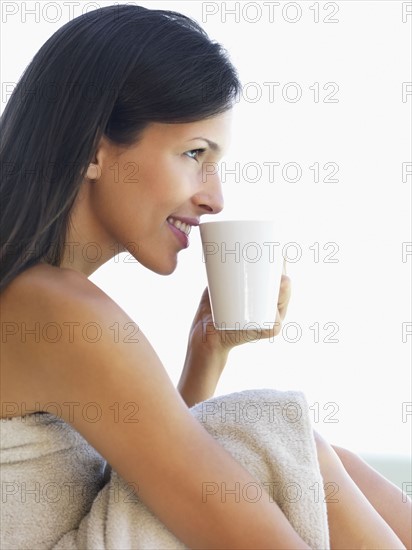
{"points": [[183, 238]]}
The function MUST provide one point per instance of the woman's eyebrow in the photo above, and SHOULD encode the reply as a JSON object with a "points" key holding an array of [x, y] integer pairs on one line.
{"points": [[213, 146]]}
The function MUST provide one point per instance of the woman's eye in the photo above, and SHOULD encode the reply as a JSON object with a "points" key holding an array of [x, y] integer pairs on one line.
{"points": [[194, 153]]}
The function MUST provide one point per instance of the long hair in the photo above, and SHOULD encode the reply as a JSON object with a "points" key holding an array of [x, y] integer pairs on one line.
{"points": [[109, 72]]}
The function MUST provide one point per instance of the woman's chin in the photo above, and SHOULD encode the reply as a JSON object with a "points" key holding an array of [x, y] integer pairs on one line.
{"points": [[166, 266]]}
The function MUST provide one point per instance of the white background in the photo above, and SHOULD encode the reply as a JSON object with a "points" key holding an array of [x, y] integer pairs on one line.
{"points": [[357, 386]]}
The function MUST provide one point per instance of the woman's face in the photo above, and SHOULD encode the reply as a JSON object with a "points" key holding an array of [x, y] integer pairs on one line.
{"points": [[143, 190]]}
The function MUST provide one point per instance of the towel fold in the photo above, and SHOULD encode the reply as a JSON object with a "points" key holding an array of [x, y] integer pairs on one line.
{"points": [[265, 430]]}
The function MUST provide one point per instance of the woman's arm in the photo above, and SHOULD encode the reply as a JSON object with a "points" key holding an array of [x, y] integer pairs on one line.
{"points": [[205, 357], [154, 442], [201, 373]]}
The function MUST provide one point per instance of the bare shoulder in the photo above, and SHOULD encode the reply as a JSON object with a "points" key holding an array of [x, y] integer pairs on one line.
{"points": [[43, 292], [47, 315], [43, 282]]}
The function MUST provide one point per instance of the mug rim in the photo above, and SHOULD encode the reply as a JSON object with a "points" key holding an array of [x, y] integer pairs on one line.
{"points": [[236, 221]]}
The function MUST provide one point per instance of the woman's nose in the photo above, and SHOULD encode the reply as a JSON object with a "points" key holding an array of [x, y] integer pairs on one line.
{"points": [[210, 196]]}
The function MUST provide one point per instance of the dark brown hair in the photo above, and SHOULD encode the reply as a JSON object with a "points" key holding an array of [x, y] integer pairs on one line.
{"points": [[111, 71]]}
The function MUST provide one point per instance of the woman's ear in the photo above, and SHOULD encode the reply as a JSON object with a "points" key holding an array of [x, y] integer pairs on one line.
{"points": [[106, 153]]}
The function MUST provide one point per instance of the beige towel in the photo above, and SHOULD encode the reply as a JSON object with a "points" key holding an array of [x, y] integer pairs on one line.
{"points": [[49, 478], [268, 432]]}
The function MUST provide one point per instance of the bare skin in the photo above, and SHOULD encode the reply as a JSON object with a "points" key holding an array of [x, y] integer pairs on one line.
{"points": [[388, 500], [361, 508], [114, 208]]}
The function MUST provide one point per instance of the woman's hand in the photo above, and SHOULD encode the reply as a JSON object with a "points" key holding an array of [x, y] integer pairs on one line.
{"points": [[203, 332], [208, 348]]}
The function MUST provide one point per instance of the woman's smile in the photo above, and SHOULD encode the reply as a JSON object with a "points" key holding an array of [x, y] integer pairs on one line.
{"points": [[181, 234], [181, 228]]}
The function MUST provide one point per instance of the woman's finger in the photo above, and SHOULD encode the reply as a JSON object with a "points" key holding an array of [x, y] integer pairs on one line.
{"points": [[284, 295]]}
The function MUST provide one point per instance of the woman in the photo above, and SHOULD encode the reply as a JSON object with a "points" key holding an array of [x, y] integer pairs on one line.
{"points": [[105, 141]]}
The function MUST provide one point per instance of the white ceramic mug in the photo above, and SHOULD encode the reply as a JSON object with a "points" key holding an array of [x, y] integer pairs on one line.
{"points": [[244, 266]]}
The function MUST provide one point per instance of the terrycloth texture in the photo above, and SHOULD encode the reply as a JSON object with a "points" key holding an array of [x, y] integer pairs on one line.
{"points": [[267, 431], [49, 477]]}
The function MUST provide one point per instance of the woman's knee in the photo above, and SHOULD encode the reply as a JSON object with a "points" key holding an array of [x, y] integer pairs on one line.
{"points": [[347, 457], [329, 461], [323, 447], [326, 449]]}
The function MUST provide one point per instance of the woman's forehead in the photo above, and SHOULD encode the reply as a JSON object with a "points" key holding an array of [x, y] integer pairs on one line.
{"points": [[215, 129]]}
